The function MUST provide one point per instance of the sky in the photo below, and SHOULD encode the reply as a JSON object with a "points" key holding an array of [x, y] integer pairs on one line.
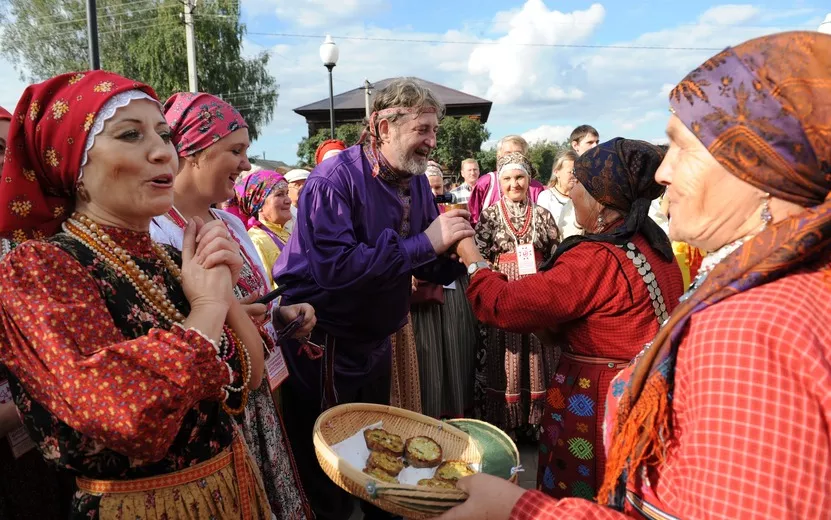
{"points": [[546, 65]]}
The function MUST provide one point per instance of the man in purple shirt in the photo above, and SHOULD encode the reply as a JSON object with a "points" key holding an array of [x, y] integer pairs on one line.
{"points": [[367, 224]]}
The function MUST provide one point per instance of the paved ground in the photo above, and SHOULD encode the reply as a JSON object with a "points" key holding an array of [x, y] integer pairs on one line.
{"points": [[527, 479]]}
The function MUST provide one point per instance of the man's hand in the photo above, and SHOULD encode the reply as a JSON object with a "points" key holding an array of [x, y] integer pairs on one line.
{"points": [[448, 229], [290, 312], [490, 498]]}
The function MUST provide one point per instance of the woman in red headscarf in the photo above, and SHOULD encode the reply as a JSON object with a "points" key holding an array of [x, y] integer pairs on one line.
{"points": [[725, 414], [126, 359], [211, 139]]}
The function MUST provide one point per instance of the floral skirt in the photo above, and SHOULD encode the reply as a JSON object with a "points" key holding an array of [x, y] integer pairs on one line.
{"points": [[572, 457], [227, 487], [268, 443]]}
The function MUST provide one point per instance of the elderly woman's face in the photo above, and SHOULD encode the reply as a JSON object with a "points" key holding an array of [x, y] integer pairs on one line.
{"points": [[131, 166], [514, 184], [219, 166], [586, 207], [708, 207], [277, 206]]}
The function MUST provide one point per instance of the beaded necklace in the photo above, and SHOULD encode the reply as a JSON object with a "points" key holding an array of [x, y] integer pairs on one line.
{"points": [[86, 231], [710, 262]]}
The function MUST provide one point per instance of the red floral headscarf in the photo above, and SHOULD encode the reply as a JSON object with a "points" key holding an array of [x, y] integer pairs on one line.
{"points": [[5, 114], [47, 145], [198, 120]]}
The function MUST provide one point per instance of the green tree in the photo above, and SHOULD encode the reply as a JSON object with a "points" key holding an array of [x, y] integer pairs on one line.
{"points": [[348, 133], [487, 160], [458, 139], [143, 40], [543, 155]]}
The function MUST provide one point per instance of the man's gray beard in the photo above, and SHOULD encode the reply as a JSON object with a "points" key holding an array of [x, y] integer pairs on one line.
{"points": [[414, 165]]}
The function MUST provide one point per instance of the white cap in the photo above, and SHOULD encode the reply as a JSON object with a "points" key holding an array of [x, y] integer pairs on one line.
{"points": [[297, 174], [825, 26]]}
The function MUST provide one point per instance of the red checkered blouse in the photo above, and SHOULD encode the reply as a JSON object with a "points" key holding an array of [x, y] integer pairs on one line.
{"points": [[752, 414]]}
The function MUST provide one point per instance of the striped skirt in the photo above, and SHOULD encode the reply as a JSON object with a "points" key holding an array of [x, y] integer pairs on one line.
{"points": [[446, 338]]}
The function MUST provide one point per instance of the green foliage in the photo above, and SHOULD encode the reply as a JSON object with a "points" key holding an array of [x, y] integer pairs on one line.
{"points": [[143, 40], [306, 148], [458, 139], [543, 155], [487, 160]]}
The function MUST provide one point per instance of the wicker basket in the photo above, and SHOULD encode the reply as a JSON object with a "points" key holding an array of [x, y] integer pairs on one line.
{"points": [[416, 502]]}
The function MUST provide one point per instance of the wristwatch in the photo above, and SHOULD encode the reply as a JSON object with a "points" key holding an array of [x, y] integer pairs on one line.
{"points": [[472, 268]]}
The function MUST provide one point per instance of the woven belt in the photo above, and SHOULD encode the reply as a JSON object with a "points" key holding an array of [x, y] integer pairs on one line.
{"points": [[236, 454], [590, 360]]}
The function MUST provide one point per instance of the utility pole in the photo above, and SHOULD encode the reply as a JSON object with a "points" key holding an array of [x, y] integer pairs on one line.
{"points": [[92, 35], [190, 42], [367, 92]]}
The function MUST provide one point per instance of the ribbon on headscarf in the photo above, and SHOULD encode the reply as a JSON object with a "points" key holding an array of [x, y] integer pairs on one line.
{"points": [[762, 110], [46, 145], [369, 139], [620, 174], [251, 192], [199, 120]]}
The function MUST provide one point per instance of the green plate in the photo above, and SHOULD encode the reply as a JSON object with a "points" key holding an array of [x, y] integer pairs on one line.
{"points": [[499, 453]]}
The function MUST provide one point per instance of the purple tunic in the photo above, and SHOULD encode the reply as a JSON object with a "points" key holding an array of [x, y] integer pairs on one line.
{"points": [[347, 258]]}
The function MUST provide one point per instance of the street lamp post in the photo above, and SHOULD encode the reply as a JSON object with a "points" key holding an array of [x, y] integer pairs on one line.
{"points": [[825, 26], [329, 56]]}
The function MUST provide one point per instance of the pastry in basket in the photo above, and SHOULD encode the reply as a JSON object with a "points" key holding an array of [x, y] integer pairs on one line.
{"points": [[422, 452], [436, 483], [453, 470], [385, 462], [381, 475], [382, 440]]}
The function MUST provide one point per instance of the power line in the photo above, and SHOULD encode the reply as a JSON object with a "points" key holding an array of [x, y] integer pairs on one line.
{"points": [[487, 42], [83, 17]]}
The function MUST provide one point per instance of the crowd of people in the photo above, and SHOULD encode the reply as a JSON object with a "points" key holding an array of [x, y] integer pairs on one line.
{"points": [[652, 320]]}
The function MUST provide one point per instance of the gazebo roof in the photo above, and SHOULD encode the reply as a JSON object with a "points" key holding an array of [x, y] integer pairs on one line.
{"points": [[354, 100]]}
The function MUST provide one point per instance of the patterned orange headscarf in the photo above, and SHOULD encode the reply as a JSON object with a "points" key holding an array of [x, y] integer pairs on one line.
{"points": [[46, 147], [763, 110]]}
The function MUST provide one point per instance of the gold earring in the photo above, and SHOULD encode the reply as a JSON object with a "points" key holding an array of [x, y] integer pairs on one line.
{"points": [[83, 194]]}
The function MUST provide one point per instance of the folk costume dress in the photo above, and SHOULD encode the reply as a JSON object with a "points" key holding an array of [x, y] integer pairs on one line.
{"points": [[740, 365], [512, 369], [105, 378], [599, 299], [261, 422]]}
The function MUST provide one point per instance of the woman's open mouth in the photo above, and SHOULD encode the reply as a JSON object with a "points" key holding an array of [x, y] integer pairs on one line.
{"points": [[162, 181]]}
